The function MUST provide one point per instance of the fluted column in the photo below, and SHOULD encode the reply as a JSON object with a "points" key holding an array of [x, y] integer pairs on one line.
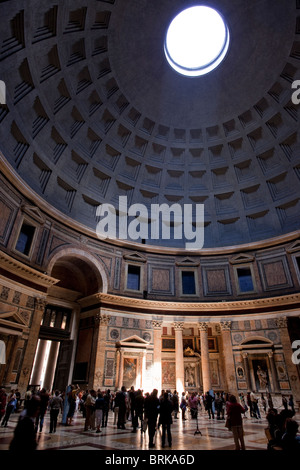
{"points": [[39, 307], [51, 365], [100, 351], [247, 371], [203, 327], [121, 370], [157, 375], [228, 357], [39, 361], [274, 372], [143, 371], [178, 326], [288, 352]]}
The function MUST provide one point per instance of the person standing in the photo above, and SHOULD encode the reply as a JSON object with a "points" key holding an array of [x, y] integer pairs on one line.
{"points": [[121, 403], [72, 397], [90, 411], [55, 405], [151, 413], [175, 401], [183, 405], [243, 403], [44, 396], [10, 407], [24, 439], [3, 398], [284, 402], [209, 405], [99, 407], [134, 419], [291, 403], [234, 415], [270, 401], [165, 419], [139, 407], [254, 405], [264, 403], [107, 399], [193, 404]]}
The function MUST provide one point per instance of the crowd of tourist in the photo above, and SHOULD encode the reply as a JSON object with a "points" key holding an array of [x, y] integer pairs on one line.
{"points": [[147, 412]]}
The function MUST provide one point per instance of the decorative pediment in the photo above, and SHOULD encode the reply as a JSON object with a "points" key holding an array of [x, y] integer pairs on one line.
{"points": [[13, 317], [294, 247], [133, 341], [136, 257], [187, 262], [242, 258], [34, 212]]}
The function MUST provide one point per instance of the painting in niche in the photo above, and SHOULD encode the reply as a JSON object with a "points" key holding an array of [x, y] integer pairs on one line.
{"points": [[129, 371], [261, 375], [168, 374], [240, 372], [168, 344]]}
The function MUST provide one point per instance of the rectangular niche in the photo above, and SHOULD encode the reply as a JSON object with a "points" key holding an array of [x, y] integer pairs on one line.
{"points": [[216, 280], [275, 273], [160, 280]]}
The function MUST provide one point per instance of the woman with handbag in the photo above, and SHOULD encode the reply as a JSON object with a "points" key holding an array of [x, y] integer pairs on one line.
{"points": [[234, 422]]}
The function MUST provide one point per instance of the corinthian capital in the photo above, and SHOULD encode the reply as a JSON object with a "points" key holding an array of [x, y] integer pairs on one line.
{"points": [[40, 304], [203, 326], [178, 325], [156, 324], [104, 319], [225, 325], [281, 322]]}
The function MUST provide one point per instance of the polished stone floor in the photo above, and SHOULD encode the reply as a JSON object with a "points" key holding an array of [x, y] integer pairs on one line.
{"points": [[214, 435]]}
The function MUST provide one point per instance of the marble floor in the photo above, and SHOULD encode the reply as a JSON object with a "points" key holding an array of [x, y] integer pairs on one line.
{"points": [[214, 435]]}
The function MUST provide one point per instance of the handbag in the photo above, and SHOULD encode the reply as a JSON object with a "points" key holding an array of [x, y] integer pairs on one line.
{"points": [[228, 423]]}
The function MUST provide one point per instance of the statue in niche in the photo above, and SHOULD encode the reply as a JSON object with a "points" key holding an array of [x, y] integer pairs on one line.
{"points": [[190, 376], [262, 377]]}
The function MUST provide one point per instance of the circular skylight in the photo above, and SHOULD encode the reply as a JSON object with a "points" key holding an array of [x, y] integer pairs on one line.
{"points": [[197, 41]]}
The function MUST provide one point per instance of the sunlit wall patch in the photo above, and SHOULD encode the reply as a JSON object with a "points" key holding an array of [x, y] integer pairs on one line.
{"points": [[197, 41]]}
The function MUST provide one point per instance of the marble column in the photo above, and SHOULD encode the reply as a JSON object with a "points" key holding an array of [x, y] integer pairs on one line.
{"points": [[143, 372], [288, 352], [39, 362], [121, 370], [51, 365], [178, 326], [100, 351], [157, 375], [274, 376], [33, 336], [247, 371], [230, 373], [203, 327]]}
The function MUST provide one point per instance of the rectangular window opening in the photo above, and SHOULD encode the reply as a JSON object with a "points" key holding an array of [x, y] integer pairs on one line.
{"points": [[25, 239], [133, 277], [188, 282], [245, 279]]}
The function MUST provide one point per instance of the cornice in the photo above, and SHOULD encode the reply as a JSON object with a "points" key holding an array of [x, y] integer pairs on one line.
{"points": [[199, 307], [26, 272]]}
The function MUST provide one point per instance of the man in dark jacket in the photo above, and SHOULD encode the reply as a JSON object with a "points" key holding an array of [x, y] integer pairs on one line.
{"points": [[121, 402], [151, 413], [165, 419]]}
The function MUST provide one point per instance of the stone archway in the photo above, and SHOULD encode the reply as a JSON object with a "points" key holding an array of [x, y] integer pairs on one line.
{"points": [[80, 276]]}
